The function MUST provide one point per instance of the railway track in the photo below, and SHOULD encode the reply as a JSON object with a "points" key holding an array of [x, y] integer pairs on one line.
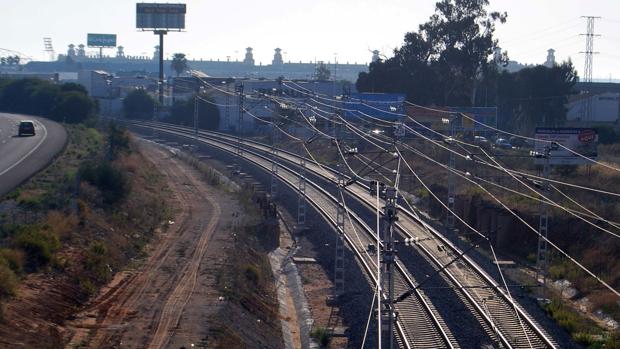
{"points": [[505, 320]]}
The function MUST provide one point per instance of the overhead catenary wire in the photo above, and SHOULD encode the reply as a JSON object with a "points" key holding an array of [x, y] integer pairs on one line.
{"points": [[591, 274]]}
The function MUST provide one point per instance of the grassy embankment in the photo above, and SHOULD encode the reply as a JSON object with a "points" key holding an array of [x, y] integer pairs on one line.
{"points": [[86, 216], [245, 279]]}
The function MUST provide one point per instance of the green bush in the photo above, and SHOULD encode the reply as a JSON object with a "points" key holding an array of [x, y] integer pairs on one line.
{"points": [[74, 107], [15, 259], [138, 105], [96, 261], [39, 246], [8, 279], [321, 336], [182, 113], [111, 182], [119, 140], [583, 338]]}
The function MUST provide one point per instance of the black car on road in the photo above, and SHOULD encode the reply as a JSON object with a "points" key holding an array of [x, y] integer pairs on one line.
{"points": [[26, 127]]}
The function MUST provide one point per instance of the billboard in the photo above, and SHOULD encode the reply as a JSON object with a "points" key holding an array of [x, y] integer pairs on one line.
{"points": [[151, 16], [581, 140], [101, 40]]}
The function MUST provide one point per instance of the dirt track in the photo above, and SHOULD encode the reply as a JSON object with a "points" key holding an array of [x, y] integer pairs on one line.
{"points": [[164, 303]]}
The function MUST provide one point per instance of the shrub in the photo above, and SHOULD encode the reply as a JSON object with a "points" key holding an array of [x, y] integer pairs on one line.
{"points": [[8, 279], [96, 262], [74, 107], [252, 274], [138, 105], [15, 259], [321, 336], [111, 182], [583, 338], [39, 246], [119, 140]]}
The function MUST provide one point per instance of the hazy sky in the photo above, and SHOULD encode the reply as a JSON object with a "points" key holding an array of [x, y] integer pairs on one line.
{"points": [[309, 30]]}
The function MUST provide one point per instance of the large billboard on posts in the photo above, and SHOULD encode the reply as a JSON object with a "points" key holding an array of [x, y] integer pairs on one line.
{"points": [[583, 141], [101, 40], [150, 16]]}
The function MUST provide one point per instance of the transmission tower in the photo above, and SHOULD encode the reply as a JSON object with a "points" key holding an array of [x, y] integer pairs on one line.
{"points": [[49, 48], [586, 105]]}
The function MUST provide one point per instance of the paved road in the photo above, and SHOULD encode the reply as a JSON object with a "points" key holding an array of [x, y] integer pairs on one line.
{"points": [[21, 157]]}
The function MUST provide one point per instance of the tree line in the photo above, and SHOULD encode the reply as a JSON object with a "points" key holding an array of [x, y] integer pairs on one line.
{"points": [[453, 60], [68, 102], [139, 104]]}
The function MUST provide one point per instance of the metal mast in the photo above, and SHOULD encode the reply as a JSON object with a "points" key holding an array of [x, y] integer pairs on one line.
{"points": [[275, 135], [542, 256], [241, 100], [227, 106], [454, 127], [388, 259], [301, 201]]}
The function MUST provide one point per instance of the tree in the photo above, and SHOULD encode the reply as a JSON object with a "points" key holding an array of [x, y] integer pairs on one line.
{"points": [[44, 99], [322, 72], [179, 63], [535, 96], [182, 113], [441, 62], [72, 86], [139, 105], [74, 107]]}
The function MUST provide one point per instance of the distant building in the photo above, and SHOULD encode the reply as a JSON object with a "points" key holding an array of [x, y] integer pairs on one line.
{"points": [[375, 56], [277, 57], [514, 66], [249, 57], [122, 63], [550, 62], [605, 107]]}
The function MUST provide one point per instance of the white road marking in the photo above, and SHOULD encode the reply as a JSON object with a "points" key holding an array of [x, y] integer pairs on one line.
{"points": [[30, 152]]}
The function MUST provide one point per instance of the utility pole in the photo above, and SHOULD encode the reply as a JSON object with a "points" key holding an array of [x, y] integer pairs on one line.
{"points": [[454, 126], [586, 105], [241, 100], [227, 106], [196, 105], [274, 160], [340, 212], [340, 228], [389, 257], [301, 201]]}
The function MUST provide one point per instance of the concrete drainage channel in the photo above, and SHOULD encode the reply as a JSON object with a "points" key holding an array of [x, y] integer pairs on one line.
{"points": [[354, 305], [296, 322]]}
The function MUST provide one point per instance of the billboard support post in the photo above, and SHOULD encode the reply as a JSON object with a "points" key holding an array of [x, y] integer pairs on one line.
{"points": [[161, 34]]}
